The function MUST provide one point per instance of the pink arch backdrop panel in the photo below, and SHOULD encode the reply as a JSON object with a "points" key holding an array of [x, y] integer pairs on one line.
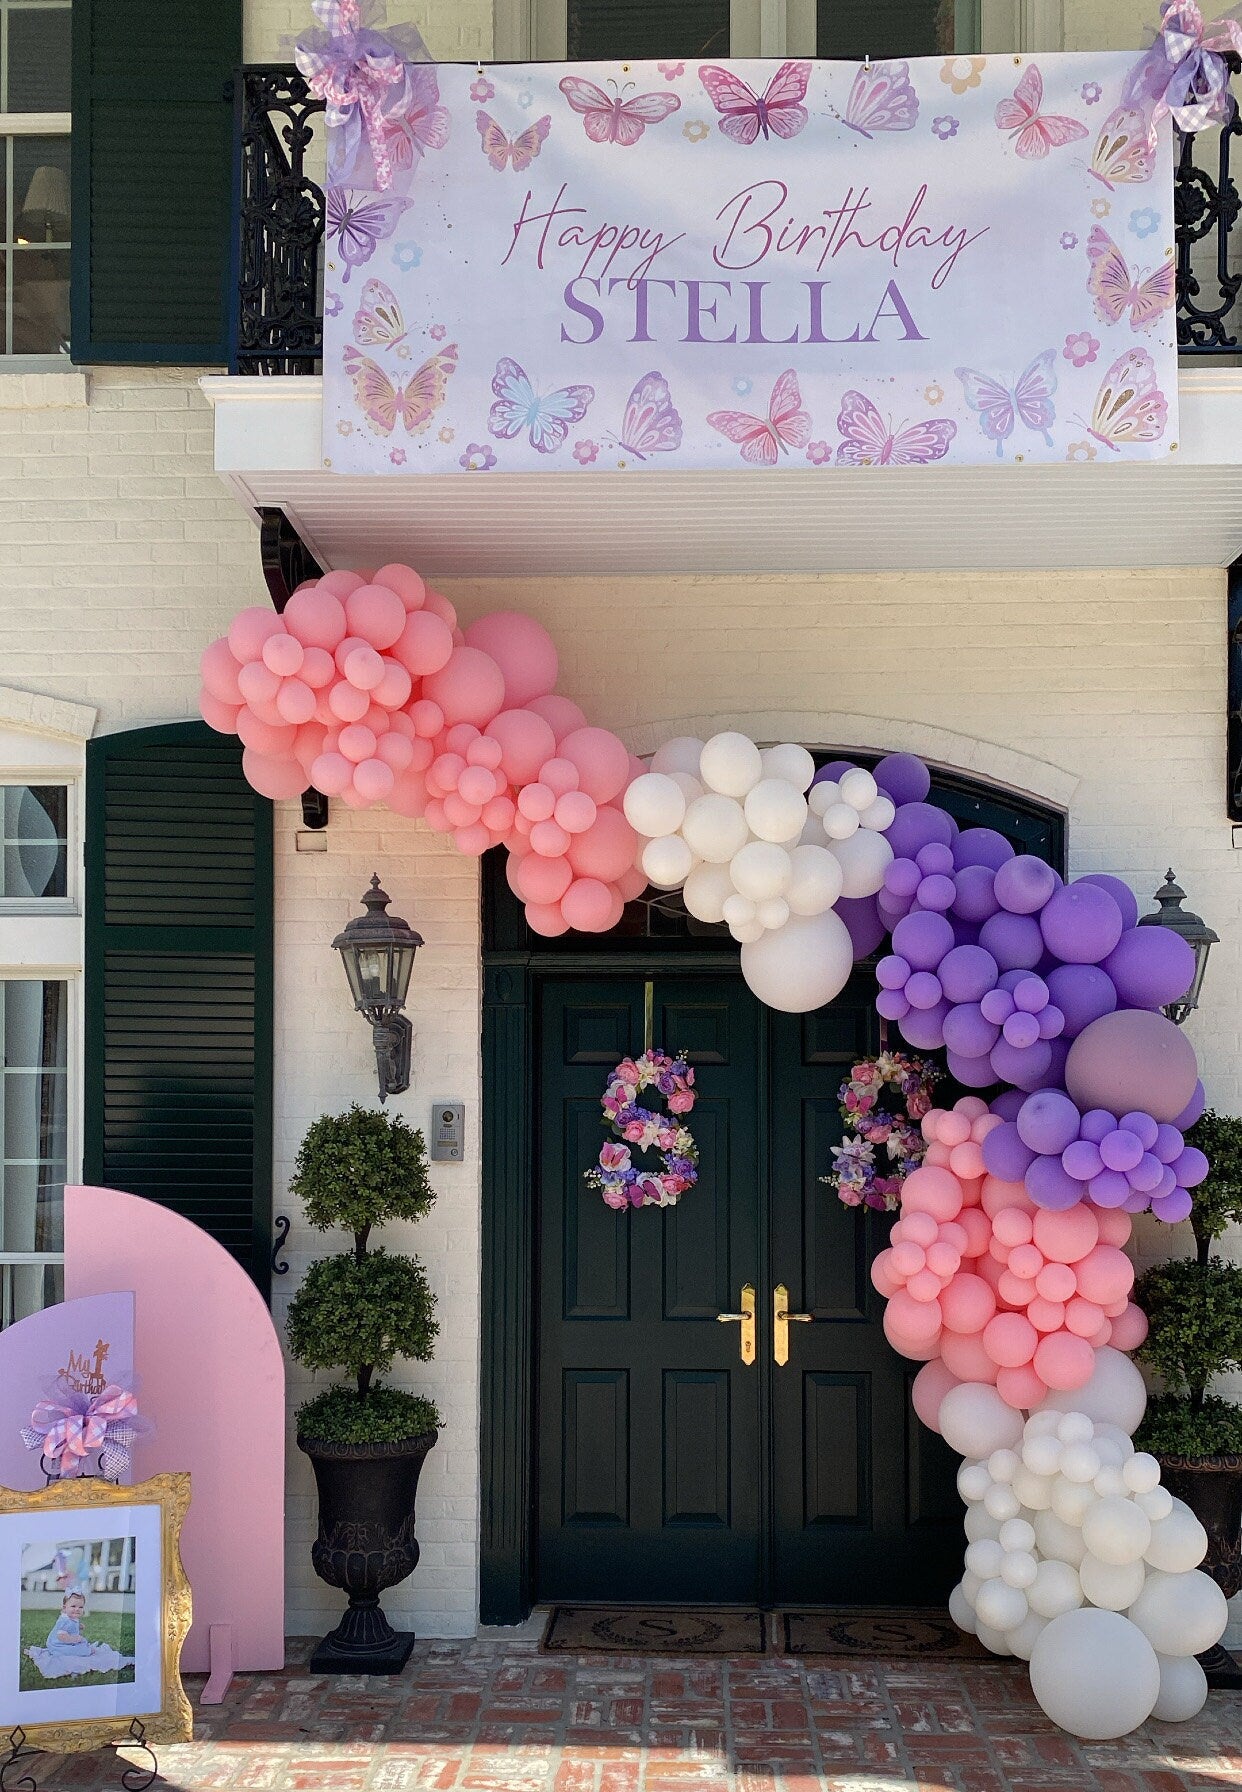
{"points": [[212, 1377]]}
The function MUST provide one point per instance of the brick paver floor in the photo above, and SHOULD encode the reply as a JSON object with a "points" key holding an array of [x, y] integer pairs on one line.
{"points": [[491, 1716]]}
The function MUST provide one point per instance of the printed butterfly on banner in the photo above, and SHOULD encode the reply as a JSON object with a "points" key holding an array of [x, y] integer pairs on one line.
{"points": [[616, 120], [1116, 290], [744, 114], [1125, 150], [765, 439], [870, 442], [1032, 132], [999, 406], [415, 403], [503, 151], [358, 222], [1129, 407], [881, 99], [379, 321], [422, 123], [650, 425], [546, 418]]}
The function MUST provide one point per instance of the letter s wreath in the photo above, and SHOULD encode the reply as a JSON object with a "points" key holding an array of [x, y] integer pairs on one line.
{"points": [[623, 1183]]}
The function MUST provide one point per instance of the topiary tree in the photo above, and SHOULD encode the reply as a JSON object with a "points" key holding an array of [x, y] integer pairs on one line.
{"points": [[361, 1309]]}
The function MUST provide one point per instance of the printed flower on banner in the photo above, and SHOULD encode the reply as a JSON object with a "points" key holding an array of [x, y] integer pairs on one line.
{"points": [[741, 385], [944, 128], [437, 332], [1080, 451], [818, 453], [1081, 349], [478, 458], [671, 70], [585, 452], [482, 90], [332, 305], [344, 427], [1145, 222], [1100, 208], [933, 394], [406, 256], [397, 457], [961, 73], [1068, 240], [447, 433], [526, 98], [1091, 92], [694, 130]]}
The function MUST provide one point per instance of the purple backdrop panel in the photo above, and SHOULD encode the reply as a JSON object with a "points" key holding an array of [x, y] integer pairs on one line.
{"points": [[90, 1341], [213, 1380]]}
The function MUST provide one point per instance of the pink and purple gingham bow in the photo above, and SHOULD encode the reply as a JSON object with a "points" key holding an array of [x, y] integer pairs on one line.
{"points": [[68, 1426], [1184, 73], [360, 73]]}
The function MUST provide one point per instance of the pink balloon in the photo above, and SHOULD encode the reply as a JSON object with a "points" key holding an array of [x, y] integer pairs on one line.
{"points": [[394, 688], [318, 668], [316, 618], [536, 802], [425, 644], [437, 604], [283, 655], [396, 750], [1021, 1388], [408, 795], [341, 583], [549, 840], [968, 1303], [1083, 1318], [274, 778], [469, 687], [256, 683], [364, 668], [546, 918], [909, 1324], [1063, 1361], [485, 751], [346, 702], [477, 785], [1067, 1235], [427, 718], [1056, 1282], [966, 1160], [560, 775], [373, 779], [587, 904], [407, 584], [522, 648], [630, 884], [602, 760], [331, 773], [526, 740], [308, 743], [1010, 1340], [964, 1355], [537, 879], [1105, 1275], [562, 715], [376, 613], [928, 1389], [499, 814], [1129, 1329], [356, 743], [884, 1278], [220, 716], [459, 813], [474, 840], [250, 628], [934, 1191], [295, 701], [218, 670], [265, 738], [1046, 1315]]}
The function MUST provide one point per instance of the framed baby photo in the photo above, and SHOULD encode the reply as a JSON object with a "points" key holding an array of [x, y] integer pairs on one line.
{"points": [[94, 1610]]}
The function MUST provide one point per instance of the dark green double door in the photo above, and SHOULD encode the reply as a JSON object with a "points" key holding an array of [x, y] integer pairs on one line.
{"points": [[668, 1468]]}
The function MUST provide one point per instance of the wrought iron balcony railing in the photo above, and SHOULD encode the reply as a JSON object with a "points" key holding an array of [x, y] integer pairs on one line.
{"points": [[277, 323]]}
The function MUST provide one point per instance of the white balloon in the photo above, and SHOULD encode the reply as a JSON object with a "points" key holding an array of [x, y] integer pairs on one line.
{"points": [[840, 821], [654, 805], [979, 1523], [1141, 1472], [1018, 1533], [1019, 1568], [974, 1420], [815, 883], [1115, 1393], [776, 810], [1183, 1688], [973, 1480], [1116, 1530], [747, 932], [863, 858], [760, 870], [1157, 1504], [1002, 1502], [772, 913], [1075, 1427], [1181, 1614], [715, 828], [1055, 1589], [1178, 1541], [1033, 1490], [1072, 1499], [985, 1558], [730, 764], [739, 910], [858, 788], [678, 755], [1022, 1640], [1080, 1462], [1115, 1435], [790, 762], [1108, 1450], [993, 1640], [970, 1586], [879, 815], [689, 786], [802, 965], [961, 1611], [1042, 1424], [1042, 1453], [820, 797], [706, 891], [1109, 1484], [1003, 1465], [1001, 1606], [667, 861], [1095, 1674], [1063, 1542], [1114, 1586]]}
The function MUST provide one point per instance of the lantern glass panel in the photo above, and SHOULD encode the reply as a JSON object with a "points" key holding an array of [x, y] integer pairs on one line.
{"points": [[374, 970], [403, 966]]}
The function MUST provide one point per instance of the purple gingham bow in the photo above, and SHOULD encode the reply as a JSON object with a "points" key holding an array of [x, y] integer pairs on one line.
{"points": [[1184, 73], [359, 72], [68, 1426]]}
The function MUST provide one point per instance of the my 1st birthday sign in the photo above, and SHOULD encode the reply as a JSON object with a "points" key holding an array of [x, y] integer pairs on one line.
{"points": [[805, 264]]}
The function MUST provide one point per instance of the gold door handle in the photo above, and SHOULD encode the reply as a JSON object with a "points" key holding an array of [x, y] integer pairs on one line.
{"points": [[782, 1318], [746, 1319]]}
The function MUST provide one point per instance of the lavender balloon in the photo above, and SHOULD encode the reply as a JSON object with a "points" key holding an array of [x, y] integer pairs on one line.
{"points": [[967, 973], [972, 1073], [1083, 992], [1004, 1153], [1080, 923], [975, 900], [923, 940], [1048, 1122], [924, 1028], [863, 923], [903, 777], [1014, 941], [981, 846], [1132, 1059], [1024, 884], [1151, 966], [916, 825], [1193, 1110], [1120, 892], [968, 1034]]}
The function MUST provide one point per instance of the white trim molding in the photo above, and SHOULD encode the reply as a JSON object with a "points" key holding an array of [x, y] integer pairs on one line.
{"points": [[30, 711]]}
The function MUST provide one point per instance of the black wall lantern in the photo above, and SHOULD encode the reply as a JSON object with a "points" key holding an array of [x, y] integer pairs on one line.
{"points": [[1196, 933], [377, 950]]}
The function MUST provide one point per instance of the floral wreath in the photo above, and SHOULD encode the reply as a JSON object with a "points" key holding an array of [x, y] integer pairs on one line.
{"points": [[623, 1183], [882, 1105]]}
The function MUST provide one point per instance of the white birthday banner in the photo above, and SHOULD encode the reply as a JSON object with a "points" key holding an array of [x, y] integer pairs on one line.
{"points": [[748, 264]]}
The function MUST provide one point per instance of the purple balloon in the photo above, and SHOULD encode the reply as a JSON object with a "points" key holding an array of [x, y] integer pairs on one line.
{"points": [[1096, 1124], [1048, 1185], [1191, 1167], [1008, 1104], [1080, 923], [997, 1005], [1193, 1110], [891, 1004], [1147, 1174], [1048, 1121], [1081, 1160], [833, 772], [1004, 1154], [1051, 1022], [1132, 1059], [1083, 992], [972, 1073], [1021, 1029], [967, 973], [981, 846], [903, 777], [1054, 1076], [923, 990], [916, 825], [1172, 1208], [1031, 995], [1014, 941], [891, 909], [976, 898], [1121, 1150], [1025, 1067], [893, 972], [1109, 1189], [936, 892], [923, 940], [970, 1036], [1151, 966], [1144, 1128], [1024, 884], [902, 878], [1121, 894], [935, 858], [863, 924], [924, 1028], [1168, 1181]]}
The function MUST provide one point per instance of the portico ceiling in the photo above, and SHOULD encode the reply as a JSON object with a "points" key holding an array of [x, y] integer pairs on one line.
{"points": [[1183, 511]]}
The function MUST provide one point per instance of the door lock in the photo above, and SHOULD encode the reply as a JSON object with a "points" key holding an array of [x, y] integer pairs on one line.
{"points": [[782, 1318], [746, 1320]]}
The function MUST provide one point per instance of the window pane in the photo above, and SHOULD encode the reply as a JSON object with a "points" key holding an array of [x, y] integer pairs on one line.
{"points": [[34, 852], [853, 29], [631, 30], [40, 189], [35, 1072], [40, 301], [38, 58]]}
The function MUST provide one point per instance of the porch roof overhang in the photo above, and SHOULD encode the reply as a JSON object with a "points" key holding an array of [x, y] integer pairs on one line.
{"points": [[1182, 511]]}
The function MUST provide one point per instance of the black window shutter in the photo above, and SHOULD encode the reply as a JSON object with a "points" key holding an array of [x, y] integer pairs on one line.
{"points": [[152, 178], [178, 1045]]}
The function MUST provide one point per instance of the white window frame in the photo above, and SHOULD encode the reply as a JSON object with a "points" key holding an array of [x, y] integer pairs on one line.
{"points": [[30, 124]]}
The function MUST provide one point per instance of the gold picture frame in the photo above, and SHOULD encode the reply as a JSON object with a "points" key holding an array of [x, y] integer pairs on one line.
{"points": [[169, 1718]]}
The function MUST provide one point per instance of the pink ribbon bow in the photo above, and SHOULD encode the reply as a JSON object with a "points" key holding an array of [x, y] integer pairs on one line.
{"points": [[68, 1430], [1184, 73], [360, 73]]}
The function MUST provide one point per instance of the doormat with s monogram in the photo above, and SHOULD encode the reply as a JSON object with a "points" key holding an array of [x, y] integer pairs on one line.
{"points": [[895, 1633], [656, 1630]]}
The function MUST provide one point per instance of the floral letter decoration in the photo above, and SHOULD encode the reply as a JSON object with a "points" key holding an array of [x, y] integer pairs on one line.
{"points": [[883, 1103], [68, 1426], [623, 1183]]}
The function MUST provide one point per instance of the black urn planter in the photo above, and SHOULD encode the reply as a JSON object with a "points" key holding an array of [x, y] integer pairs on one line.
{"points": [[1212, 1487], [366, 1542]]}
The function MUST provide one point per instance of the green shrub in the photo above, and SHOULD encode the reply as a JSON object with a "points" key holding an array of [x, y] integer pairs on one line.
{"points": [[361, 1309], [1218, 1198], [1172, 1427], [1195, 1314]]}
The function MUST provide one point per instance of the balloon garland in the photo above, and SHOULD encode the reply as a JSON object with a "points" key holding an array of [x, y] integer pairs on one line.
{"points": [[619, 1180]]}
